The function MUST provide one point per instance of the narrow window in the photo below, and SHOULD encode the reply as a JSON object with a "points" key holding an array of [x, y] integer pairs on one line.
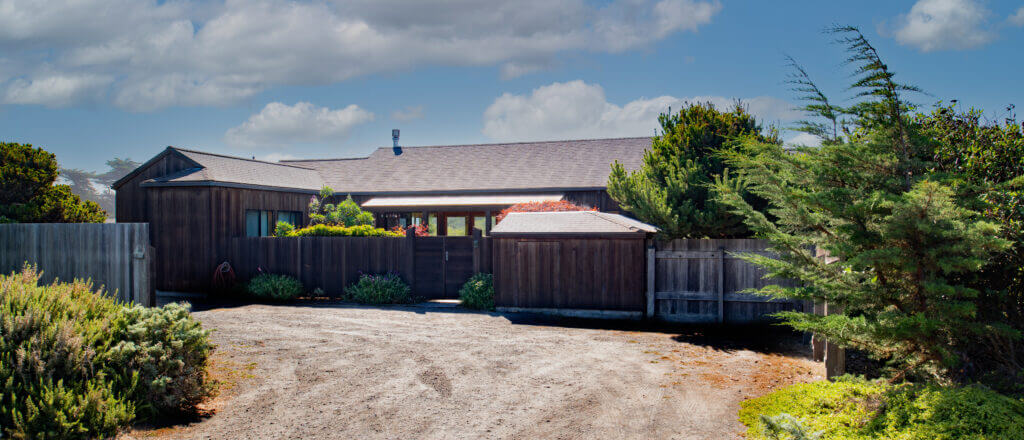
{"points": [[291, 217], [257, 223]]}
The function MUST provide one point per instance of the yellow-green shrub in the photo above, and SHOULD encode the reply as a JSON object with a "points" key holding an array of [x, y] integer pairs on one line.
{"points": [[856, 409], [322, 230], [67, 366]]}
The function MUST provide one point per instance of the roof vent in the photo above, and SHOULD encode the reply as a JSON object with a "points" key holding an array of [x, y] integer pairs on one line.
{"points": [[394, 137]]}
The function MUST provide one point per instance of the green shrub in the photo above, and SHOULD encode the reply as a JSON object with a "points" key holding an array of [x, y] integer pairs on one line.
{"points": [[857, 409], [478, 292], [322, 230], [283, 229], [379, 289], [170, 351], [275, 287], [75, 363]]}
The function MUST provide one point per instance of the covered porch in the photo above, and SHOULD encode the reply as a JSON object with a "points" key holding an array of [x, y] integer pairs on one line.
{"points": [[447, 215]]}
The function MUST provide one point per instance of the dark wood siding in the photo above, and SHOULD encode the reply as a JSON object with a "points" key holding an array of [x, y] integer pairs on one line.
{"points": [[596, 199], [131, 204], [569, 273]]}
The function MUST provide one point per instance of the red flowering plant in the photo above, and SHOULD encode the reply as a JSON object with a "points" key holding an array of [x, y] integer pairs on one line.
{"points": [[421, 230], [556, 206]]}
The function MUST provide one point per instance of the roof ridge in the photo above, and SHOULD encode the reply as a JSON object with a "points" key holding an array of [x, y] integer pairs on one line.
{"points": [[473, 145], [600, 215], [237, 158]]}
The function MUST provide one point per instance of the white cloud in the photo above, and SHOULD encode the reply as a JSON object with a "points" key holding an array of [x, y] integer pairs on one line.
{"points": [[56, 90], [1017, 19], [577, 109], [280, 125], [944, 24], [409, 113], [804, 139], [275, 157], [183, 53]]}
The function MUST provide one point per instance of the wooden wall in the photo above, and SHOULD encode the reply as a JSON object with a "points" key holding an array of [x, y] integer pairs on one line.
{"points": [[115, 256], [569, 273], [131, 203], [596, 199], [703, 281]]}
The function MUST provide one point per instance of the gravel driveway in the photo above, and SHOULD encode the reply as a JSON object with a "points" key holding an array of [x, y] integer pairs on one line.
{"points": [[412, 372]]}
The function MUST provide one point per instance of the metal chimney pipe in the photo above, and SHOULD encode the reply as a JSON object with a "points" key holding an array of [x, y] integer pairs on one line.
{"points": [[394, 137]]}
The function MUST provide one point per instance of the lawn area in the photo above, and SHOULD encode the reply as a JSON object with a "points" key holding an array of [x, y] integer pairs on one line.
{"points": [[413, 372]]}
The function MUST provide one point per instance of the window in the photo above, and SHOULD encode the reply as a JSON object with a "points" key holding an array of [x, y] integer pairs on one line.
{"points": [[293, 218], [456, 226], [257, 223], [480, 222]]}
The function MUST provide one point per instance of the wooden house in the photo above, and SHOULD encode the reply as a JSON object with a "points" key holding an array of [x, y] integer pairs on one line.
{"points": [[196, 202]]}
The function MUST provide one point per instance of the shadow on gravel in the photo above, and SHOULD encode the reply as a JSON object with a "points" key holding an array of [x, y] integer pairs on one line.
{"points": [[761, 338]]}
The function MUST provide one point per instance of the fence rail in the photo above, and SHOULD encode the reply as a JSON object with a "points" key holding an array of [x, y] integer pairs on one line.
{"points": [[116, 256]]}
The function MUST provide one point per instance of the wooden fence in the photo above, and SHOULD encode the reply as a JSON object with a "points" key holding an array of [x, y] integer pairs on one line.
{"points": [[587, 277], [116, 256], [703, 281], [435, 267]]}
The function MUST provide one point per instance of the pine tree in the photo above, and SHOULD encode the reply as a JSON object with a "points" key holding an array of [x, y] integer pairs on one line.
{"points": [[898, 236], [673, 188]]}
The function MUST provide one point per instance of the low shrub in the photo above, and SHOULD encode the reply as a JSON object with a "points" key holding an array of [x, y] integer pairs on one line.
{"points": [[857, 409], [170, 352], [478, 292], [283, 229], [379, 289], [75, 363], [275, 287], [322, 230]]}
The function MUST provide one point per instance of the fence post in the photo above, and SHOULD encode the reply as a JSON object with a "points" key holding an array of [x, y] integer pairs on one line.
{"points": [[721, 285], [477, 236], [410, 264], [818, 342], [835, 356], [651, 264]]}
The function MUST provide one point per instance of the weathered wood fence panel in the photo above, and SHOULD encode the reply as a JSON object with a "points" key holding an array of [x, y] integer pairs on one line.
{"points": [[435, 267], [327, 263], [576, 276], [704, 281], [114, 255]]}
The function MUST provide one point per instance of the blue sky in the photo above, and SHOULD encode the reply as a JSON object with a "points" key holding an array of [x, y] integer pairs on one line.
{"points": [[91, 80]]}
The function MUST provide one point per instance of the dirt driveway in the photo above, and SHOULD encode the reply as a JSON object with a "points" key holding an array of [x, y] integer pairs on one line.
{"points": [[418, 373]]}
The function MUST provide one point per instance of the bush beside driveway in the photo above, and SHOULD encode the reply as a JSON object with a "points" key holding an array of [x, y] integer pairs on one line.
{"points": [[409, 372]]}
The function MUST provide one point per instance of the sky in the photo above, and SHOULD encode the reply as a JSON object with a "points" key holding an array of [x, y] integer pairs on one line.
{"points": [[90, 80]]}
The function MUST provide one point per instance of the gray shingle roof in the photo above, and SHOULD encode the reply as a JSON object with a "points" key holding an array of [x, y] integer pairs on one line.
{"points": [[497, 167], [236, 170], [552, 165], [574, 222]]}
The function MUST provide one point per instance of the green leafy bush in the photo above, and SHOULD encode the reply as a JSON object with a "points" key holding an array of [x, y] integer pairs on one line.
{"points": [[322, 230], [346, 213], [275, 287], [478, 292], [170, 351], [283, 229], [68, 368], [379, 289], [857, 409]]}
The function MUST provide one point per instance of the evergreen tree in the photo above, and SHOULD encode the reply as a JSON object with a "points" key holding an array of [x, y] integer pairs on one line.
{"points": [[672, 190], [899, 236], [27, 192]]}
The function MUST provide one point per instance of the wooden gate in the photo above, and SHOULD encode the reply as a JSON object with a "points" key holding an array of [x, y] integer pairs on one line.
{"points": [[704, 281], [442, 266]]}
